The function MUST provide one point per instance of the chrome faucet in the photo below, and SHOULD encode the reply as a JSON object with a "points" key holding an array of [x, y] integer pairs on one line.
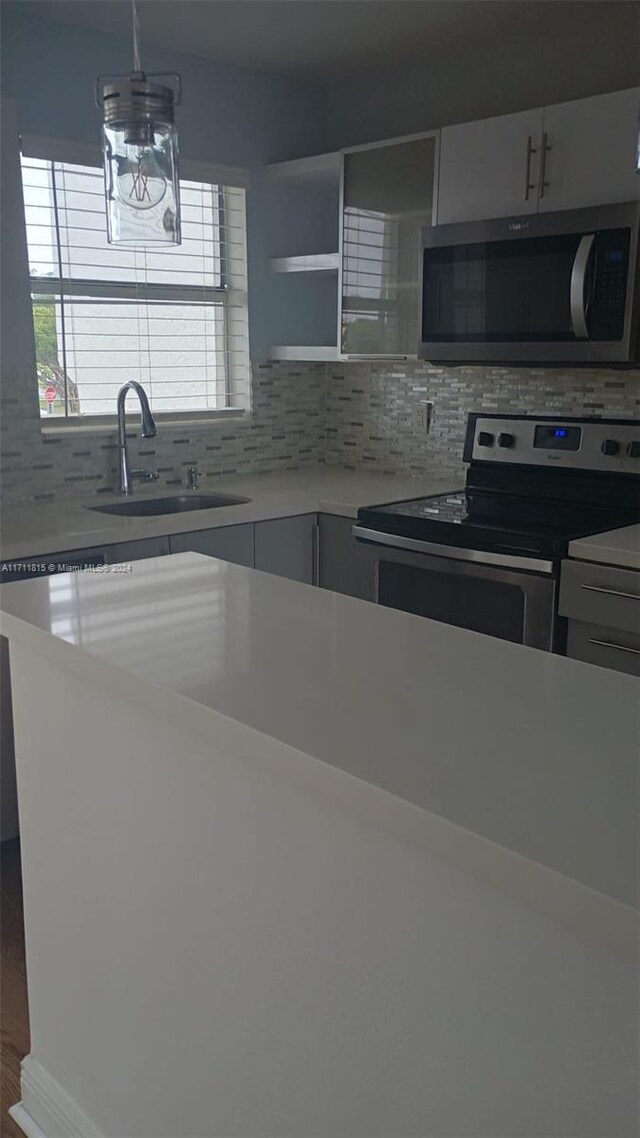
{"points": [[147, 431]]}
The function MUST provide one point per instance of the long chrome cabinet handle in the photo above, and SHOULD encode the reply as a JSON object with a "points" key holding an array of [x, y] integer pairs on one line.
{"points": [[611, 592], [544, 150], [528, 184], [576, 287], [612, 644], [316, 554]]}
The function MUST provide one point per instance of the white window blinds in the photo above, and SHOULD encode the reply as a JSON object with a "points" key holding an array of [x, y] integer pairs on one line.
{"points": [[175, 319]]}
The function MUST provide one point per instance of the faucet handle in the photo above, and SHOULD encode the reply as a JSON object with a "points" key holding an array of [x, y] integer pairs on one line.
{"points": [[145, 475], [193, 474]]}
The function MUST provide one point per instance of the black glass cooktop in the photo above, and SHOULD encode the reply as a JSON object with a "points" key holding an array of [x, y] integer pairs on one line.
{"points": [[496, 522]]}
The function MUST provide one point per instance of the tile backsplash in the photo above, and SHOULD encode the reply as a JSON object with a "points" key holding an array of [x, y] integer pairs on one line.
{"points": [[346, 415], [369, 408], [284, 432]]}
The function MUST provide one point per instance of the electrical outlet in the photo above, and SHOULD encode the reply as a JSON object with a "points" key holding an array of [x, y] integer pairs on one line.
{"points": [[422, 415]]}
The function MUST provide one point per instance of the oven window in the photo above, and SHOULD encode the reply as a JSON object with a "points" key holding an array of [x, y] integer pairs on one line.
{"points": [[500, 291], [476, 603]]}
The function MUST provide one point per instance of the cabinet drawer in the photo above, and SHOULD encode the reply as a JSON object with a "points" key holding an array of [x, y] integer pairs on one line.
{"points": [[607, 647], [600, 594]]}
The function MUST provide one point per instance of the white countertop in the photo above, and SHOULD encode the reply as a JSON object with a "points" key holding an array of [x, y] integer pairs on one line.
{"points": [[617, 547], [29, 529], [532, 751]]}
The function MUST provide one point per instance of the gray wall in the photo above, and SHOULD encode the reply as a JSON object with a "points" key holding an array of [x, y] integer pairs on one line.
{"points": [[229, 114], [594, 52]]}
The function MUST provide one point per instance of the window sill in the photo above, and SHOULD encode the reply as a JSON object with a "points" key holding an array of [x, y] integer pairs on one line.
{"points": [[107, 425]]}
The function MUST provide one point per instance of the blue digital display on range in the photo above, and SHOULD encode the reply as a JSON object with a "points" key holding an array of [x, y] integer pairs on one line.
{"points": [[549, 437]]}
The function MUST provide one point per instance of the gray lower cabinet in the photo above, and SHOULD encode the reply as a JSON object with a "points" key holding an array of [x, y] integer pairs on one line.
{"points": [[46, 564], [287, 547], [230, 543], [345, 565], [602, 604], [138, 550], [608, 647]]}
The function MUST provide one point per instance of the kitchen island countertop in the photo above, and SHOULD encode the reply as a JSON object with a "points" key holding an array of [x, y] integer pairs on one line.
{"points": [[525, 751]]}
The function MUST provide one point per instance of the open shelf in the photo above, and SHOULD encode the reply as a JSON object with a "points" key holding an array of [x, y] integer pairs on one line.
{"points": [[301, 219], [304, 352], [308, 263], [321, 169]]}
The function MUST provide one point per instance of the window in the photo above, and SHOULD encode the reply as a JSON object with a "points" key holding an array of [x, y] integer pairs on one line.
{"points": [[174, 319]]}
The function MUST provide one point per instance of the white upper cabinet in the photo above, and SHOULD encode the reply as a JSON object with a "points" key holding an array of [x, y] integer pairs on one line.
{"points": [[592, 151], [489, 168], [567, 156]]}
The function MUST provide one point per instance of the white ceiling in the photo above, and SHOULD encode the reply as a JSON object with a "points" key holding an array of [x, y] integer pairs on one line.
{"points": [[332, 39]]}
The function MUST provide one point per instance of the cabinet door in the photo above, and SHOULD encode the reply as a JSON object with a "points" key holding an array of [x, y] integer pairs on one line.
{"points": [[388, 196], [287, 546], [138, 550], [231, 543], [593, 151], [345, 565], [487, 170]]}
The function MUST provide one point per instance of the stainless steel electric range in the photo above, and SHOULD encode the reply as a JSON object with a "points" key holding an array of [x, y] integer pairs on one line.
{"points": [[488, 557]]}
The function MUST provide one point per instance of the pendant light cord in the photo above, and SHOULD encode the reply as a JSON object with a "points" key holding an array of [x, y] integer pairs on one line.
{"points": [[135, 22]]}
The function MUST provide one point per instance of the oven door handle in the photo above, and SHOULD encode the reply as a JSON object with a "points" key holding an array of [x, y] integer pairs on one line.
{"points": [[453, 552], [576, 288]]}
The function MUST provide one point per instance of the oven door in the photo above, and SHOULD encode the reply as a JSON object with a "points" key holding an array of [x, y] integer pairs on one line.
{"points": [[514, 598], [552, 288]]}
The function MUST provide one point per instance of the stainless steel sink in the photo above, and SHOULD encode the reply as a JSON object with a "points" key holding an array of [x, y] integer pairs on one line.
{"points": [[152, 507]]}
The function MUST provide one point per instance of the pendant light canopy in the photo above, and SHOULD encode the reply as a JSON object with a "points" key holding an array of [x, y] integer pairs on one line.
{"points": [[140, 152]]}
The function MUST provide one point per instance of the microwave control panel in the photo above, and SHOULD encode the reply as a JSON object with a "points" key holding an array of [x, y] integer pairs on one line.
{"points": [[610, 281]]}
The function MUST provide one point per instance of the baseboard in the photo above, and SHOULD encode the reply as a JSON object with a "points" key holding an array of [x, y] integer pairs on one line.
{"points": [[46, 1110], [25, 1122]]}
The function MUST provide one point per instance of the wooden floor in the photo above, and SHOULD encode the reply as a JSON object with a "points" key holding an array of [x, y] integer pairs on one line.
{"points": [[14, 1019]]}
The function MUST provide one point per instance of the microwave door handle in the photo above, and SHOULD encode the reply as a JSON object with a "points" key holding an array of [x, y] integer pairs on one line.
{"points": [[578, 278]]}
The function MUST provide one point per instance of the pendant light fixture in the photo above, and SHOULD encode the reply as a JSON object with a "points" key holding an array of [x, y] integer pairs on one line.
{"points": [[140, 152]]}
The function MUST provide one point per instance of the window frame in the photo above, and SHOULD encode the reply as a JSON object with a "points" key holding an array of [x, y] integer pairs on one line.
{"points": [[226, 177]]}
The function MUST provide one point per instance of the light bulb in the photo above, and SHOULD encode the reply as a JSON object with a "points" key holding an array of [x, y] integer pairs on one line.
{"points": [[140, 180], [140, 150]]}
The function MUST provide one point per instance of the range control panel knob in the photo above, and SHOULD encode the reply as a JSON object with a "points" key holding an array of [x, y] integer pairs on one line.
{"points": [[633, 449], [506, 440], [485, 439], [610, 446]]}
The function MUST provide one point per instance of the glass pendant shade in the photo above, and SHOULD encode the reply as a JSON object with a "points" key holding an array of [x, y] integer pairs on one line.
{"points": [[140, 151]]}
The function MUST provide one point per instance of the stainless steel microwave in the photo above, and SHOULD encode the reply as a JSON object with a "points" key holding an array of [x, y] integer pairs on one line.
{"points": [[556, 288]]}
